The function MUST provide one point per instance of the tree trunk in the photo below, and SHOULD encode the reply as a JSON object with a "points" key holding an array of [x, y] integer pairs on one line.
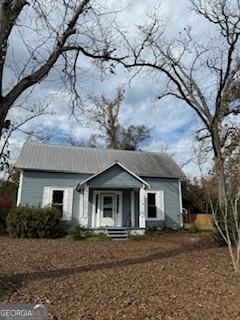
{"points": [[220, 175], [219, 164], [3, 113]]}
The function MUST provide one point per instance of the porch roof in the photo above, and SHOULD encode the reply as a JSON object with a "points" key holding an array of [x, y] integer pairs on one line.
{"points": [[121, 180]]}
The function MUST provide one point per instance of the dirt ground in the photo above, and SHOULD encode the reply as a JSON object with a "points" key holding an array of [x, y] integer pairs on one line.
{"points": [[176, 276]]}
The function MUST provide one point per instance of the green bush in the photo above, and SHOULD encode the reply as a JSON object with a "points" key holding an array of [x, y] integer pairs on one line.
{"points": [[26, 222], [77, 232], [61, 229]]}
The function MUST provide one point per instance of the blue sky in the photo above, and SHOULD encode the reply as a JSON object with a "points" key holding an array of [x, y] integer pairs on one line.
{"points": [[173, 124]]}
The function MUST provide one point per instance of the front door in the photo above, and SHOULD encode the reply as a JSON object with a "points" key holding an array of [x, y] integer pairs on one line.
{"points": [[107, 210]]}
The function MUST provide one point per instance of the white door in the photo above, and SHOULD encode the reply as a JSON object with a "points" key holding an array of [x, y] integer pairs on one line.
{"points": [[107, 210]]}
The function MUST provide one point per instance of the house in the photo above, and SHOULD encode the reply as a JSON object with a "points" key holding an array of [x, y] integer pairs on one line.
{"points": [[102, 188]]}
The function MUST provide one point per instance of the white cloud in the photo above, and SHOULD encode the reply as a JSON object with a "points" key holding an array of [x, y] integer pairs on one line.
{"points": [[182, 151], [172, 122]]}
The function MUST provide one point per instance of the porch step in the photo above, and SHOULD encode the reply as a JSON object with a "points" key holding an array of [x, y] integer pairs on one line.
{"points": [[117, 233]]}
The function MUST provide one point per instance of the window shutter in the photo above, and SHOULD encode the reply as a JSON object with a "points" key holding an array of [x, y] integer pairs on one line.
{"points": [[68, 204], [46, 197], [160, 205]]}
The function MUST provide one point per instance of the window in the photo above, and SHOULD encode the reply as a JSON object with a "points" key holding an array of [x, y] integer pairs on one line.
{"points": [[57, 199], [152, 208]]}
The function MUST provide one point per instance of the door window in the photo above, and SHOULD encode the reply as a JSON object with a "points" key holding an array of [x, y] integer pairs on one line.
{"points": [[107, 206]]}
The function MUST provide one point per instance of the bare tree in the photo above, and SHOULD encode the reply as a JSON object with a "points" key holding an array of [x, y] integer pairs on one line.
{"points": [[54, 37], [105, 113], [226, 217], [204, 75], [75, 142], [26, 114], [132, 137]]}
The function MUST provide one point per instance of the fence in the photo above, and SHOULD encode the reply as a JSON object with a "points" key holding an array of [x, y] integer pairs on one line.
{"points": [[200, 220]]}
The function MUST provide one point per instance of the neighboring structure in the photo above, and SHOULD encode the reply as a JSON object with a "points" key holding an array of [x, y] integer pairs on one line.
{"points": [[102, 188]]}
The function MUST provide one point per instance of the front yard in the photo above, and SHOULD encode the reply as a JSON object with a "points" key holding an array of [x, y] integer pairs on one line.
{"points": [[176, 276]]}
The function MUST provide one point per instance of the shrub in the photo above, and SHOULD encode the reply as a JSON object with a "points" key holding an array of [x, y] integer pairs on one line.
{"points": [[192, 228], [152, 232], [218, 237], [5, 206], [8, 195], [231, 229], [26, 222], [138, 237], [232, 232], [5, 203], [2, 227], [98, 237], [61, 229], [77, 232]]}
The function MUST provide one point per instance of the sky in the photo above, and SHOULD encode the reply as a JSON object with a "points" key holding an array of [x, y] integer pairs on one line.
{"points": [[172, 123]]}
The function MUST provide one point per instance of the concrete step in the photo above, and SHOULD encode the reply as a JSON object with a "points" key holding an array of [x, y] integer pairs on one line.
{"points": [[117, 228], [117, 233]]}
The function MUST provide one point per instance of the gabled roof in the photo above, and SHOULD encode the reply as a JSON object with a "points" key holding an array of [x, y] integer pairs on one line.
{"points": [[45, 157], [108, 168]]}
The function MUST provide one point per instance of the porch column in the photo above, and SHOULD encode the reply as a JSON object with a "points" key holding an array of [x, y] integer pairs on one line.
{"points": [[81, 213], [85, 204], [142, 219], [132, 208], [19, 194]]}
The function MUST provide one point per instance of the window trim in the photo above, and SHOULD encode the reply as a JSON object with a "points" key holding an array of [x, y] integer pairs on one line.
{"points": [[147, 217], [67, 202]]}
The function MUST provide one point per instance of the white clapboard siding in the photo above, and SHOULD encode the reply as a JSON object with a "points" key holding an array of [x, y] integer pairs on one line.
{"points": [[46, 196], [160, 205]]}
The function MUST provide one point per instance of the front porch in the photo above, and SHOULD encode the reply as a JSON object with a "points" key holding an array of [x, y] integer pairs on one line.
{"points": [[101, 209], [114, 197]]}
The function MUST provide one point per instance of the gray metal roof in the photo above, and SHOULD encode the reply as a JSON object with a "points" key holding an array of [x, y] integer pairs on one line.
{"points": [[46, 157]]}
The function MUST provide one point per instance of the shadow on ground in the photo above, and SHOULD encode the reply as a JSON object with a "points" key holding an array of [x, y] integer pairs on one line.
{"points": [[11, 282]]}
